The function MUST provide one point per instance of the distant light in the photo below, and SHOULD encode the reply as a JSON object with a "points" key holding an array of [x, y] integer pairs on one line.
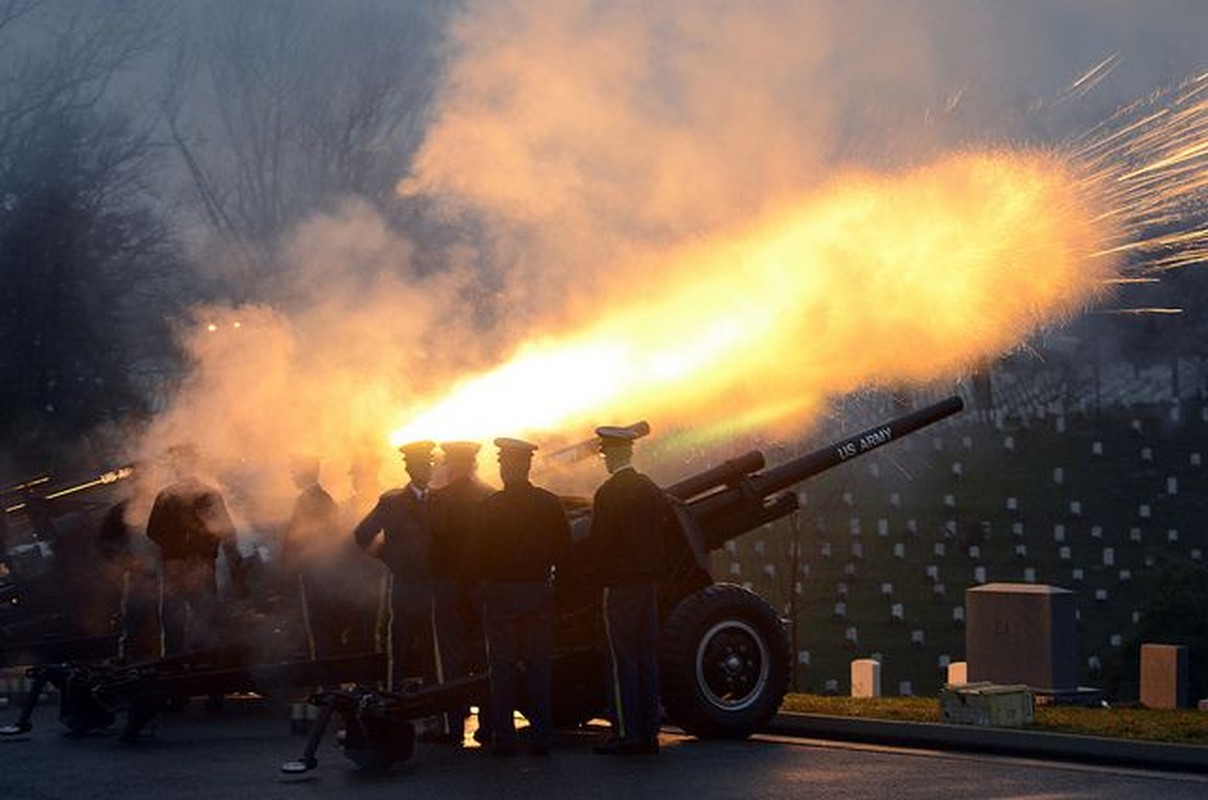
{"points": [[211, 327], [237, 325]]}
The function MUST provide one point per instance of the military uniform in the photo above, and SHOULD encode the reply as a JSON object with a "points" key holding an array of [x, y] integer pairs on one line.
{"points": [[522, 533], [402, 516], [457, 602], [190, 524], [309, 558], [629, 516]]}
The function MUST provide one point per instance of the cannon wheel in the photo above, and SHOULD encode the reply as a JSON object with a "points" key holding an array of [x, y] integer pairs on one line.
{"points": [[725, 662]]}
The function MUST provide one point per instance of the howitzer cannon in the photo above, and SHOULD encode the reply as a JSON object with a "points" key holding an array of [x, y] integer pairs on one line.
{"points": [[724, 657]]}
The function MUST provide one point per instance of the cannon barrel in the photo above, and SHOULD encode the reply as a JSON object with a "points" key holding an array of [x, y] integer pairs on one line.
{"points": [[730, 472], [730, 512]]}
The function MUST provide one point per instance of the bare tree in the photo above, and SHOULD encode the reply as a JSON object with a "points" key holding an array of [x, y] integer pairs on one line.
{"points": [[278, 108]]}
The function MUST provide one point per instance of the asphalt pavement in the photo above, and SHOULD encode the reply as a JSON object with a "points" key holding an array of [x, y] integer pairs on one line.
{"points": [[237, 752]]}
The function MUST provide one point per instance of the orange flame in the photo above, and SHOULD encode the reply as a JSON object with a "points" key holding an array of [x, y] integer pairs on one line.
{"points": [[874, 280]]}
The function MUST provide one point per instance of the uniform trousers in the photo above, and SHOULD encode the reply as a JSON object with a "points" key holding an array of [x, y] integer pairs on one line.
{"points": [[519, 620], [632, 621], [410, 631]]}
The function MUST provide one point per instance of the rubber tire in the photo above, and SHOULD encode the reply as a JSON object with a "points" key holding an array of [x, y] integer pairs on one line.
{"points": [[726, 619]]}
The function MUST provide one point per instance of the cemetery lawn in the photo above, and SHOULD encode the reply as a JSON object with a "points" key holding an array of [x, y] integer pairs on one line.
{"points": [[1185, 726]]}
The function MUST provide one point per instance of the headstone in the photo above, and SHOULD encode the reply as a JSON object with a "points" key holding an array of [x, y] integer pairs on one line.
{"points": [[943, 661], [950, 528], [1136, 617], [1115, 640], [1064, 553], [939, 549], [1058, 533], [899, 550], [1109, 556], [798, 588], [1096, 448], [1008, 443], [1134, 534], [865, 678], [759, 547], [1059, 425], [912, 526], [967, 442], [1172, 535], [897, 612], [1075, 508], [852, 634], [874, 469], [803, 658], [1143, 511], [840, 609], [1147, 454], [1029, 575], [1022, 633], [831, 686], [1172, 485], [732, 547], [949, 501], [769, 570], [857, 550], [841, 589], [905, 689], [917, 636], [1125, 575], [849, 499], [1197, 554], [958, 469], [1096, 531], [735, 568], [958, 614], [1058, 475], [938, 591], [932, 572], [849, 570], [1077, 574], [979, 574], [937, 444], [1017, 528], [826, 549], [958, 672], [1196, 460], [1101, 595], [1174, 413], [853, 526], [895, 500], [1135, 425], [974, 552], [882, 527], [1094, 664], [887, 590], [1021, 550], [1012, 504]]}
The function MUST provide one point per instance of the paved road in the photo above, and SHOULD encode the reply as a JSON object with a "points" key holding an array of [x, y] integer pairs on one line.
{"points": [[237, 754]]}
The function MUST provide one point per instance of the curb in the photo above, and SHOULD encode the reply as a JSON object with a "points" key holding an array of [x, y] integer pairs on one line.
{"points": [[999, 741]]}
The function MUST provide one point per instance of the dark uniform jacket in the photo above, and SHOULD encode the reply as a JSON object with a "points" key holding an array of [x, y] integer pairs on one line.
{"points": [[521, 532], [629, 516], [407, 541], [310, 534], [189, 521], [454, 509]]}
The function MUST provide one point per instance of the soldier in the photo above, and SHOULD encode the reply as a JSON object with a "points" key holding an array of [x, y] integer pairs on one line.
{"points": [[308, 551], [190, 524], [127, 560], [629, 515], [522, 533], [457, 609], [402, 515]]}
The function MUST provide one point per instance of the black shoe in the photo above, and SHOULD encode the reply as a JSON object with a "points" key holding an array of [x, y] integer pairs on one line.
{"points": [[482, 736], [608, 746]]}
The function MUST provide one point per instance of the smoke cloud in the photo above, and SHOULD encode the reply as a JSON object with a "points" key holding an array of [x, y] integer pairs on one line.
{"points": [[616, 157]]}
